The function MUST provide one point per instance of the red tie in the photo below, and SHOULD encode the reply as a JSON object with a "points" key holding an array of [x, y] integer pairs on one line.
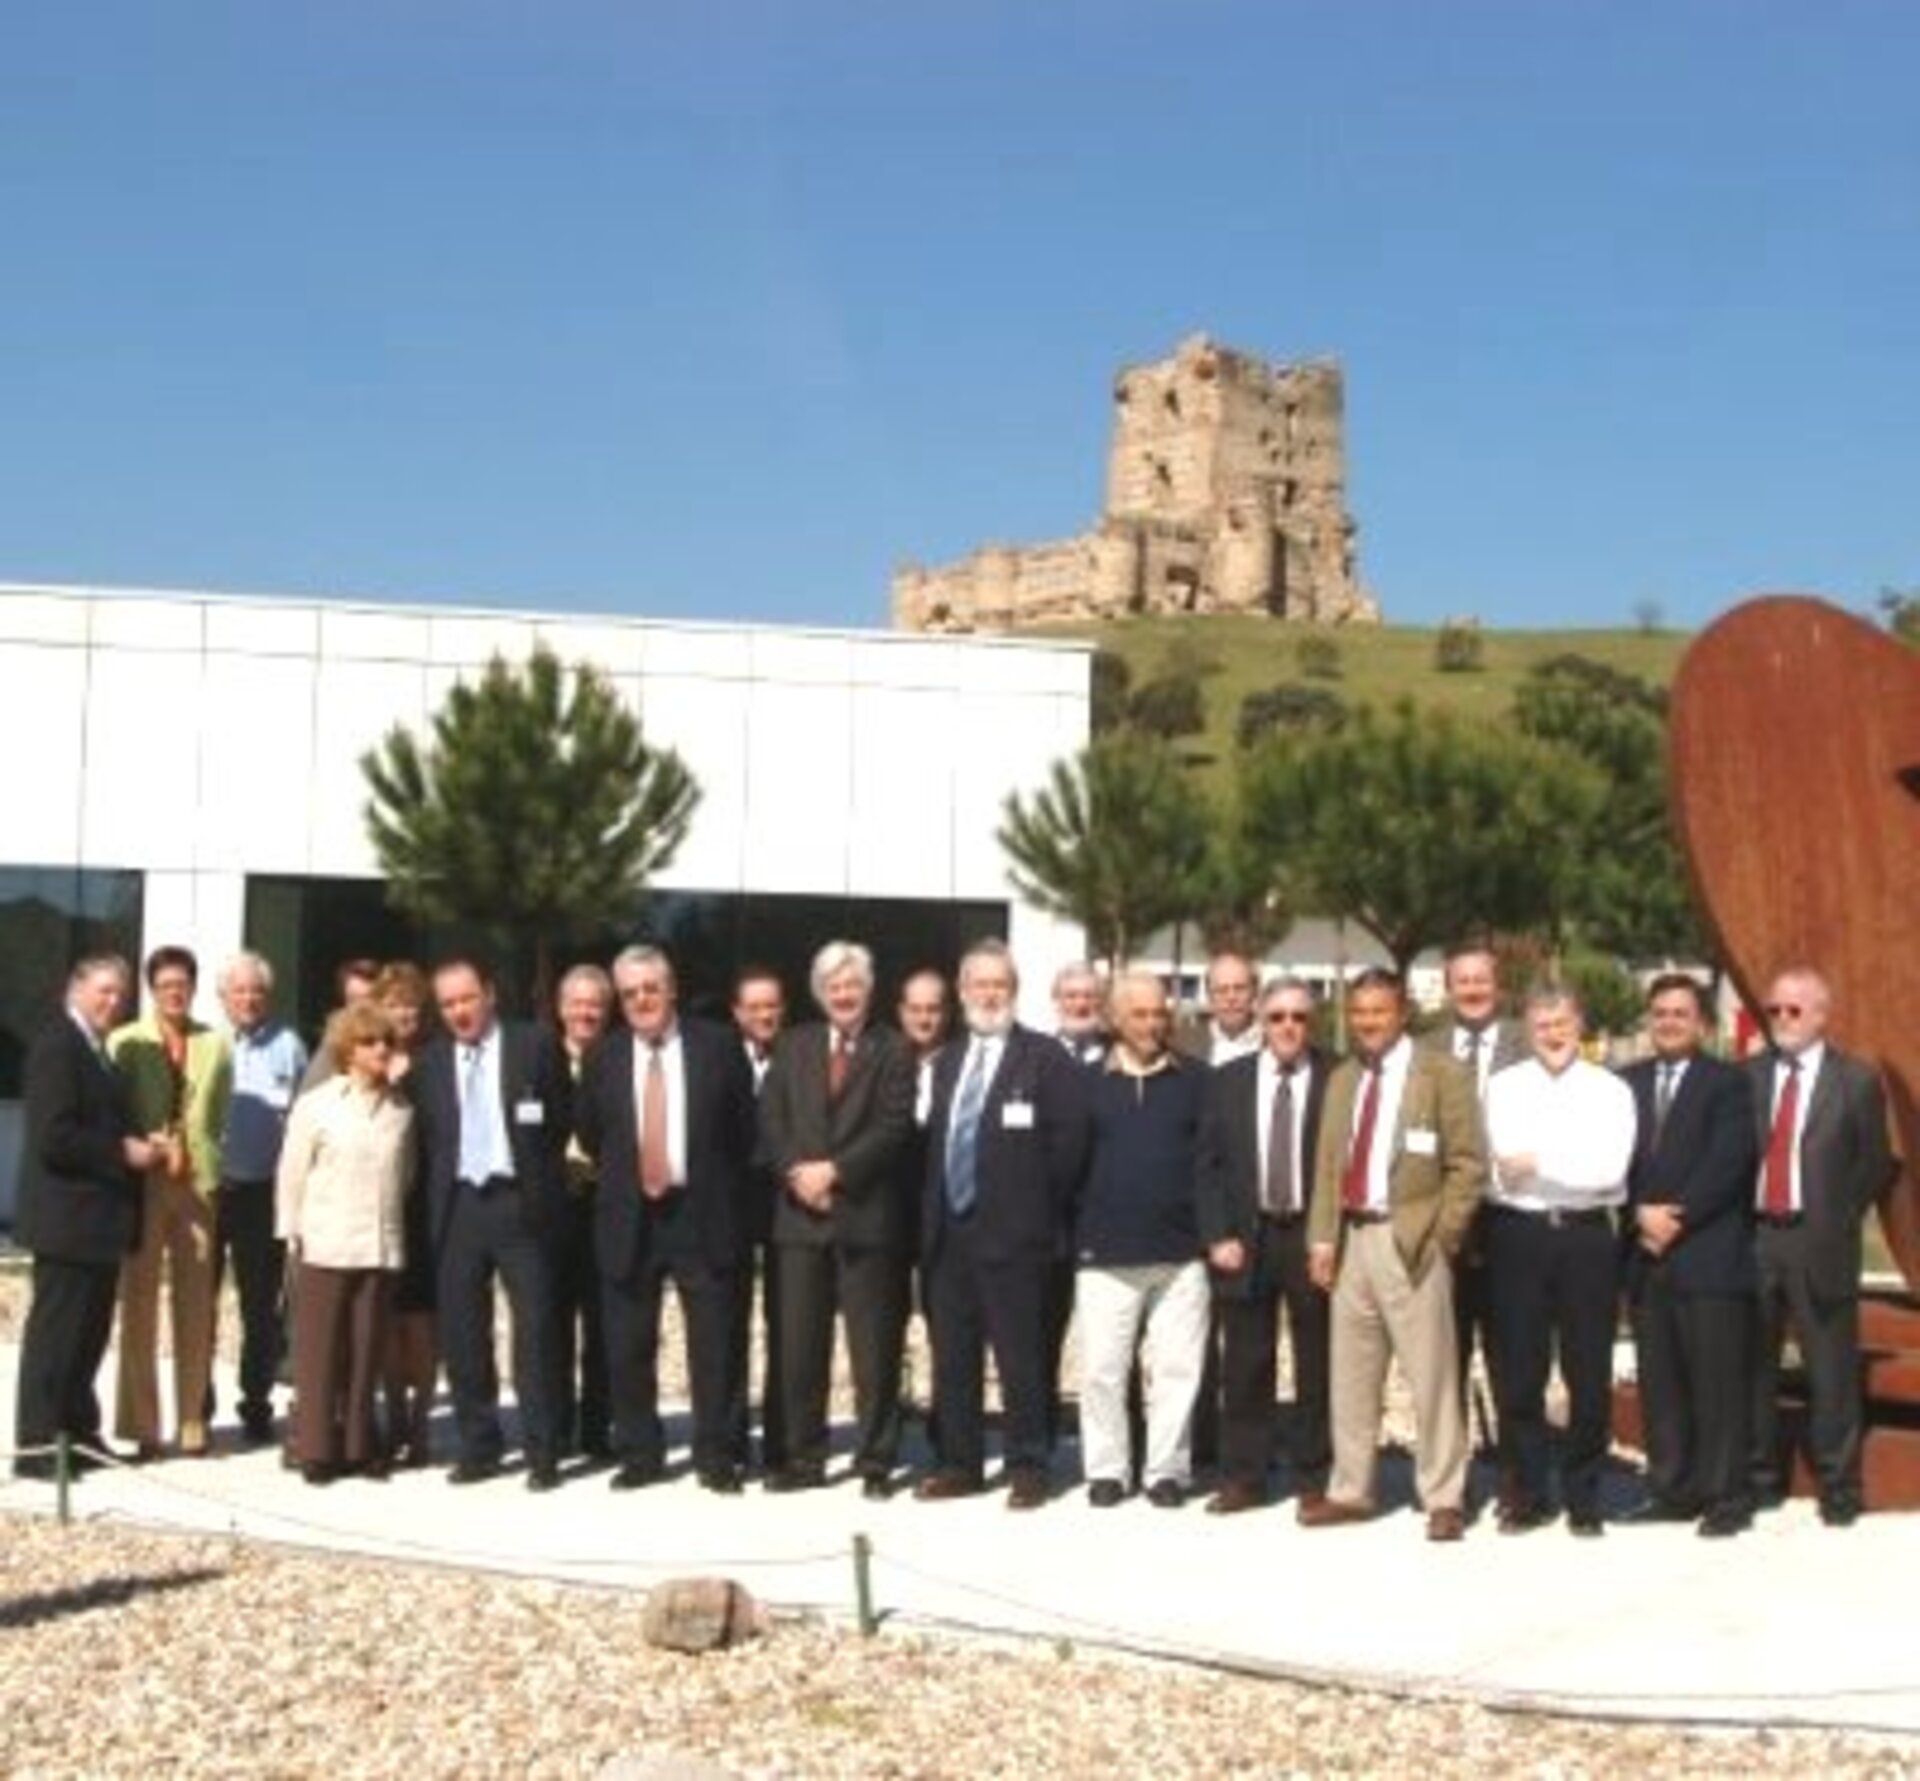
{"points": [[1353, 1184], [1780, 1145], [656, 1165], [838, 1049]]}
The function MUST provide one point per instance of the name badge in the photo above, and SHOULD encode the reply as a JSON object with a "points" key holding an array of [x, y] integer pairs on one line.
{"points": [[1017, 1116], [529, 1113], [1421, 1141]]}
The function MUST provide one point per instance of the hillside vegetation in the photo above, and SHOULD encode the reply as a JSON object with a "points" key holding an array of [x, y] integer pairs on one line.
{"points": [[1377, 663]]}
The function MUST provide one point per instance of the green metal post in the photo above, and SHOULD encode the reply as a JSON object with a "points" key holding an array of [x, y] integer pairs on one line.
{"points": [[863, 1585]]}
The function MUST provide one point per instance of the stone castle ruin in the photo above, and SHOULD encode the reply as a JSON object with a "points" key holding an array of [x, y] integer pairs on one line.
{"points": [[1226, 492]]}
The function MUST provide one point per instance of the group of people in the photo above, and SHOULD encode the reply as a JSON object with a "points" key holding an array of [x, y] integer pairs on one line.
{"points": [[1175, 1195]]}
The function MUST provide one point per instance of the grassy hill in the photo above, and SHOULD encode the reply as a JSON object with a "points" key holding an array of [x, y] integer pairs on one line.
{"points": [[1378, 663]]}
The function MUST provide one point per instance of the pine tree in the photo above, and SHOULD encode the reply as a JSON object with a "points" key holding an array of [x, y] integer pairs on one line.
{"points": [[536, 812]]}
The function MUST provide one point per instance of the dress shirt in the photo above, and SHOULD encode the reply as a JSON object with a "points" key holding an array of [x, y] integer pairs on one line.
{"points": [[673, 1061], [1477, 1057], [1386, 1126], [95, 1044], [992, 1047], [1810, 1061], [345, 1171], [1578, 1125], [1266, 1086], [268, 1062], [485, 1150], [1222, 1049], [761, 1062], [923, 1089]]}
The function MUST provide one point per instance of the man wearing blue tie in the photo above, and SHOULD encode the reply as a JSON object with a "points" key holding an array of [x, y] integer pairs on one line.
{"points": [[1006, 1141], [494, 1109]]}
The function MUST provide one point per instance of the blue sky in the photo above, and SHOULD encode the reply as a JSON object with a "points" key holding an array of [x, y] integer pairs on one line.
{"points": [[722, 310]]}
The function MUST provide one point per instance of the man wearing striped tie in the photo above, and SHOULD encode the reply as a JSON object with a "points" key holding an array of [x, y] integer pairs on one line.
{"points": [[1006, 1141]]}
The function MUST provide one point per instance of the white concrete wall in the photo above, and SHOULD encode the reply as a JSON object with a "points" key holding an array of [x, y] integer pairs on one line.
{"points": [[201, 738]]}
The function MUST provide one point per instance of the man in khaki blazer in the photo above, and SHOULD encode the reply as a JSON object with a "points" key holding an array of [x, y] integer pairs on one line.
{"points": [[1399, 1171]]}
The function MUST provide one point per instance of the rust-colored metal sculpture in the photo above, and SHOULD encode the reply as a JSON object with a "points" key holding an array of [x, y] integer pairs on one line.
{"points": [[1795, 748]]}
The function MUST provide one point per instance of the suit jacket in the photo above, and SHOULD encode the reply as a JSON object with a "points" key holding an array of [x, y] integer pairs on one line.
{"points": [[863, 1132], [140, 1055], [1229, 1183], [1027, 1173], [1845, 1161], [719, 1149], [79, 1202], [1433, 1197], [1704, 1163], [536, 1095]]}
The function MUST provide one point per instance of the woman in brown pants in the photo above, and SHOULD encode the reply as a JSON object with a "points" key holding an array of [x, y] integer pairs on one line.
{"points": [[346, 1170]]}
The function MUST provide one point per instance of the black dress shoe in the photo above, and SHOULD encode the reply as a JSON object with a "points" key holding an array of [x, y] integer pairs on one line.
{"points": [[876, 1487], [37, 1466], [795, 1478], [1521, 1517], [1839, 1511], [1658, 1509], [1167, 1493], [723, 1481], [473, 1471], [946, 1486], [1106, 1493], [635, 1474], [543, 1475], [256, 1427], [1723, 1523], [1026, 1488], [1585, 1524], [319, 1472]]}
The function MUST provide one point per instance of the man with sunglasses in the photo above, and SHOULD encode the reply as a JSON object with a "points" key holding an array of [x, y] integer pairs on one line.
{"points": [[1257, 1142], [1822, 1131]]}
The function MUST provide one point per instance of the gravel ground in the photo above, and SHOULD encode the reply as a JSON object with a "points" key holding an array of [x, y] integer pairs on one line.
{"points": [[130, 1653]]}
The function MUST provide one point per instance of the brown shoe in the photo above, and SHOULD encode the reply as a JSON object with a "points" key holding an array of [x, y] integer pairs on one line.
{"points": [[940, 1487], [1235, 1497], [1309, 1502], [1026, 1489], [1446, 1524], [1331, 1512]]}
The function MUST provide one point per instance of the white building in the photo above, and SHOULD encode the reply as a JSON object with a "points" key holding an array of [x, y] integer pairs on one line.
{"points": [[185, 768]]}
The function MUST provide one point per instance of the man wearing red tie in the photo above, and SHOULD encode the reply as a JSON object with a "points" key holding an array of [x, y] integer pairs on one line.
{"points": [[1399, 1172], [1823, 1136], [666, 1111], [836, 1116]]}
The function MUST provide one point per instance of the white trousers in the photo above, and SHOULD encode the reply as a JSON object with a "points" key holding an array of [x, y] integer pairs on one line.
{"points": [[1172, 1301]]}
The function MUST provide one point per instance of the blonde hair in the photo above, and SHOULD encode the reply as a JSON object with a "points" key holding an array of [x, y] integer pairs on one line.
{"points": [[353, 1026]]}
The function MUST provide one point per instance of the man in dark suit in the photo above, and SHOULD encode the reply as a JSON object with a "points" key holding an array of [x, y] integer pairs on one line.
{"points": [[1821, 1123], [836, 1115], [1257, 1147], [1006, 1141], [666, 1109], [1690, 1275], [493, 1110], [1475, 1033], [759, 1010], [78, 1215]]}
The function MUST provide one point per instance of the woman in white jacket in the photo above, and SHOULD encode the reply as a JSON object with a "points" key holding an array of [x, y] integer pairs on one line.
{"points": [[346, 1169]]}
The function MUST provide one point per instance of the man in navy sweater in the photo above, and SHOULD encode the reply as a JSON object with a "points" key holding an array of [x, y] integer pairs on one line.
{"points": [[1137, 1246]]}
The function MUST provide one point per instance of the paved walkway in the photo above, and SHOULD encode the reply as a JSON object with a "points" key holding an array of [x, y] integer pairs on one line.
{"points": [[1791, 1623]]}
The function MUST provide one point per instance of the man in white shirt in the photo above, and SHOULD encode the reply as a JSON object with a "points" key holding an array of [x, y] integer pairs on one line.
{"points": [[1561, 1131]]}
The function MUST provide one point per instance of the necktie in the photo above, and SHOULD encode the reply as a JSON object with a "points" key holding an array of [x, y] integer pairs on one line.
{"points": [[476, 1128], [1662, 1099], [1353, 1184], [656, 1167], [1780, 1144], [839, 1057], [963, 1137], [1279, 1194]]}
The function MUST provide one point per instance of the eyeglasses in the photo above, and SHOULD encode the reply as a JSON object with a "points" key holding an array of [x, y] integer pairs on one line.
{"points": [[1287, 1017], [1792, 1010]]}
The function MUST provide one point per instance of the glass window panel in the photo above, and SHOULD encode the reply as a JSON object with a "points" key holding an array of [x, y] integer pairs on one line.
{"points": [[50, 917]]}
